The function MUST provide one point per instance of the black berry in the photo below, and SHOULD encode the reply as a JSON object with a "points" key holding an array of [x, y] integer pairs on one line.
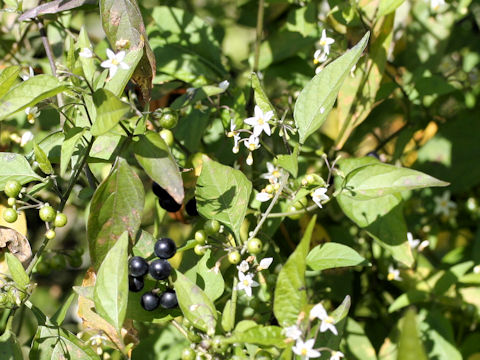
{"points": [[168, 299], [165, 248], [191, 207], [166, 201], [137, 266], [135, 284], [160, 269], [150, 301]]}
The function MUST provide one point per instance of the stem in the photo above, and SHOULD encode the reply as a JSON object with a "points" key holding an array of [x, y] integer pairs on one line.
{"points": [[180, 328], [261, 10], [288, 213]]}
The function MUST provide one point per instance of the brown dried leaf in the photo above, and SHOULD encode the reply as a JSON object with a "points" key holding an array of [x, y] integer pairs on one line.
{"points": [[16, 243]]}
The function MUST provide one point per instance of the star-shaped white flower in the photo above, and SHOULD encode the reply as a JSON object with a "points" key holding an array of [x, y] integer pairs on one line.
{"points": [[246, 282], [319, 195], [263, 196], [32, 114], [443, 205], [393, 274], [260, 121], [243, 267], [336, 355], [26, 137], [29, 75], [252, 143], [319, 57], [436, 5], [273, 173], [86, 53], [319, 312], [114, 62], [292, 332], [326, 42], [416, 243], [305, 349], [264, 264]]}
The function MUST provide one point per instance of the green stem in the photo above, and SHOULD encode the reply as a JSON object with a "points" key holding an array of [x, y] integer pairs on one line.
{"points": [[260, 13], [289, 213]]}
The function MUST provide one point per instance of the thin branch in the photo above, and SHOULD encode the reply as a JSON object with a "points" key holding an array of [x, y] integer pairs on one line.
{"points": [[261, 10]]}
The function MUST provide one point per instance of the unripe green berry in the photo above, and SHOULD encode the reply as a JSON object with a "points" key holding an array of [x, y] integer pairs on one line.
{"points": [[188, 354], [57, 262], [60, 220], [12, 188], [269, 189], [301, 203], [218, 344], [42, 268], [11, 201], [167, 136], [50, 234], [254, 246], [10, 215], [201, 237], [75, 261], [47, 213], [168, 118], [199, 250], [234, 257], [211, 227]]}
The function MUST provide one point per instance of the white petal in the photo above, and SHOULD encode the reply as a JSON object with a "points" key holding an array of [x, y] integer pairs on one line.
{"points": [[268, 115], [265, 263], [257, 130], [266, 128], [250, 121], [258, 112], [120, 56], [124, 66], [113, 70], [263, 196], [318, 311], [106, 64], [110, 54]]}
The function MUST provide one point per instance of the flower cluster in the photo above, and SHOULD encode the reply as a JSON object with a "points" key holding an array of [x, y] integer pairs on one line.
{"points": [[245, 278], [321, 55], [305, 348], [273, 175]]}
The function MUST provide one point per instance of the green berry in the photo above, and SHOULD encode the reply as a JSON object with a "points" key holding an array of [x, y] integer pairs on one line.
{"points": [[50, 234], [12, 188], [57, 262], [47, 213], [188, 354], [167, 136], [199, 250], [75, 261], [254, 246], [234, 257], [201, 237], [301, 204], [218, 344], [168, 119], [10, 215], [11, 201], [211, 227], [42, 268], [60, 220]]}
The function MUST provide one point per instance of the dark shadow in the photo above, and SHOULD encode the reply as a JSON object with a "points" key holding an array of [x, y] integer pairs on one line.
{"points": [[222, 203]]}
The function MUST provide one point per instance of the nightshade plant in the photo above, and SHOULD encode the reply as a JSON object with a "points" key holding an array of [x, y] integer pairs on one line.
{"points": [[239, 180]]}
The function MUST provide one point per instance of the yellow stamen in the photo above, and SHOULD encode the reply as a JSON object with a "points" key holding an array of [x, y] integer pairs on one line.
{"points": [[304, 352], [390, 276]]}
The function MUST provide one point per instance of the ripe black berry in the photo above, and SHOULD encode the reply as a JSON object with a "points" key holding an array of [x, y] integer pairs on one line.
{"points": [[160, 269], [191, 207], [137, 266], [150, 301], [135, 284], [168, 299], [165, 248], [166, 201]]}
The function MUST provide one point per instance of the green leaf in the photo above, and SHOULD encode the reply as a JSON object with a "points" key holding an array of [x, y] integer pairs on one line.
{"points": [[122, 21], [388, 6], [195, 304], [122, 77], [60, 314], [357, 343], [72, 138], [156, 159], [261, 98], [8, 77], [144, 244], [410, 297], [333, 255], [9, 347], [289, 162], [290, 292], [110, 111], [15, 167], [222, 194], [17, 271], [111, 286], [228, 315], [317, 98], [259, 335], [376, 180], [212, 282], [42, 160], [116, 206], [28, 93], [410, 346], [88, 64]]}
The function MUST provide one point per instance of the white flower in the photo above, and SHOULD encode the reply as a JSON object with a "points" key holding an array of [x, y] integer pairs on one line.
{"points": [[292, 332], [233, 128], [325, 42], [26, 137], [319, 195], [393, 274], [319, 57], [273, 173], [318, 70], [352, 70], [260, 121], [32, 114], [305, 349], [30, 74], [263, 196], [436, 5], [86, 53], [443, 205], [98, 340], [319, 312], [336, 355], [246, 282], [417, 243], [224, 85], [114, 61], [476, 269], [264, 264], [243, 267], [249, 160], [252, 143]]}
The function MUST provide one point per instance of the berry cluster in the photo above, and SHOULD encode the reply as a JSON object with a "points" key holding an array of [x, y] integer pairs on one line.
{"points": [[158, 269], [167, 202]]}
